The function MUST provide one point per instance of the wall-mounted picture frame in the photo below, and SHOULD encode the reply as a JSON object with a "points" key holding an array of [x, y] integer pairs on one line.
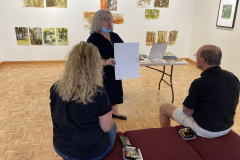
{"points": [[227, 13]]}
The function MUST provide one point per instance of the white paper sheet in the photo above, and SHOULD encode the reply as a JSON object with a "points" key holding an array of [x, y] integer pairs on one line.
{"points": [[127, 60]]}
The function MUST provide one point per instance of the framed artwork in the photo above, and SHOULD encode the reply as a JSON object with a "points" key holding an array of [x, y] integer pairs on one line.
{"points": [[227, 13], [152, 13], [49, 37], [22, 35], [110, 5], [118, 18], [87, 19], [161, 3], [144, 3], [150, 39], [172, 37], [35, 35], [62, 36], [33, 3], [56, 3], [162, 36]]}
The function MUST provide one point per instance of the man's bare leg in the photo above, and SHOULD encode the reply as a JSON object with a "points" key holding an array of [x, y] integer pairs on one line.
{"points": [[165, 113]]}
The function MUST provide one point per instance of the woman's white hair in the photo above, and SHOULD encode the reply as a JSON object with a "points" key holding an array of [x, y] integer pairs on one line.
{"points": [[96, 25]]}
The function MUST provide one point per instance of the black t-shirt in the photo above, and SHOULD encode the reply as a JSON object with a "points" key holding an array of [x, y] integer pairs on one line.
{"points": [[214, 98], [76, 129]]}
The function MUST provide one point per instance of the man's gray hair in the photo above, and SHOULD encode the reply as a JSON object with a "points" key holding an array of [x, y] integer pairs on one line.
{"points": [[96, 25], [212, 56]]}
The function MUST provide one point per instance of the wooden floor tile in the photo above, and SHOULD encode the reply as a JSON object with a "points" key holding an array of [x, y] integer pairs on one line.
{"points": [[25, 119]]}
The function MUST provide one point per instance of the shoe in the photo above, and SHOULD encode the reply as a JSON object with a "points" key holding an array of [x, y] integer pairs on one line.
{"points": [[122, 117]]}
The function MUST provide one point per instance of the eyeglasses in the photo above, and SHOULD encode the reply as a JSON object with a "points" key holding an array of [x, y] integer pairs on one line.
{"points": [[195, 55], [108, 19]]}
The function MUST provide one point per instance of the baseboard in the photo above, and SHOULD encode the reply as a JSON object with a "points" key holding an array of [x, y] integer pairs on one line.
{"points": [[60, 61], [31, 62], [189, 61]]}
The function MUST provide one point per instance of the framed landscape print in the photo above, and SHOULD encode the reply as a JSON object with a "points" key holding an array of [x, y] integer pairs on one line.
{"points": [[227, 13]]}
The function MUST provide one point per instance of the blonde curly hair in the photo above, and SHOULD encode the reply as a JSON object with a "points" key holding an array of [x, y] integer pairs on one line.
{"points": [[82, 75]]}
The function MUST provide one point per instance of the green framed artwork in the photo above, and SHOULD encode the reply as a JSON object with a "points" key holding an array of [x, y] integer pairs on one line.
{"points": [[152, 13], [227, 13]]}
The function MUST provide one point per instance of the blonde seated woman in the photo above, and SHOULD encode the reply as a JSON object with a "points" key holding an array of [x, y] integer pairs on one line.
{"points": [[81, 112]]}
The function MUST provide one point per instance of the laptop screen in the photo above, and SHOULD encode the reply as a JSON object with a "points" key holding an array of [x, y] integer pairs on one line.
{"points": [[158, 50]]}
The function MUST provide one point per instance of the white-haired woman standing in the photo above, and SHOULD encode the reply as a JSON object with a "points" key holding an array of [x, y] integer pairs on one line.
{"points": [[81, 112], [103, 38]]}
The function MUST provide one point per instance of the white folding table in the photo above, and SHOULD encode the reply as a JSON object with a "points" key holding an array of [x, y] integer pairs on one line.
{"points": [[162, 62]]}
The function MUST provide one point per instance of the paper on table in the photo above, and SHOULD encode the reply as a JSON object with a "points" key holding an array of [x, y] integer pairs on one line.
{"points": [[127, 60], [145, 60]]}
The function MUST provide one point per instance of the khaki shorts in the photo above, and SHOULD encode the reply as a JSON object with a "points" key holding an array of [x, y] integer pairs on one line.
{"points": [[188, 121]]}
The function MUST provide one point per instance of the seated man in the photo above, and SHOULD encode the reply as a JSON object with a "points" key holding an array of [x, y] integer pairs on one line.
{"points": [[210, 106]]}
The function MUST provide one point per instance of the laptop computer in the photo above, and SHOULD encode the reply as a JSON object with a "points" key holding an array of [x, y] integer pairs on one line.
{"points": [[158, 50]]}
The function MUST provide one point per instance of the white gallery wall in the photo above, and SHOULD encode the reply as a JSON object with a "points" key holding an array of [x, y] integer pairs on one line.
{"points": [[0, 58], [179, 16], [205, 32]]}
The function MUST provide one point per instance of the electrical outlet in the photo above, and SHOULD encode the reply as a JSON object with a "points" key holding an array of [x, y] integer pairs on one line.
{"points": [[60, 51]]}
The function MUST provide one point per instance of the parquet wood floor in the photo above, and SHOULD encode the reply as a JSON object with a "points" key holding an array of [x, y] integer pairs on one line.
{"points": [[25, 120]]}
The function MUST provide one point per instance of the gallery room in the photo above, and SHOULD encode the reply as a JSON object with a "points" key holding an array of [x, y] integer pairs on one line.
{"points": [[37, 36]]}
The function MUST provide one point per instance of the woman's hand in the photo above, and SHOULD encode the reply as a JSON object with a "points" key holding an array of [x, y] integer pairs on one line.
{"points": [[111, 62]]}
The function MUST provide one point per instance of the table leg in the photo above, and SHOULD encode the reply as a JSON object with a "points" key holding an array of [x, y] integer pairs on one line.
{"points": [[164, 73], [162, 77], [172, 84]]}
